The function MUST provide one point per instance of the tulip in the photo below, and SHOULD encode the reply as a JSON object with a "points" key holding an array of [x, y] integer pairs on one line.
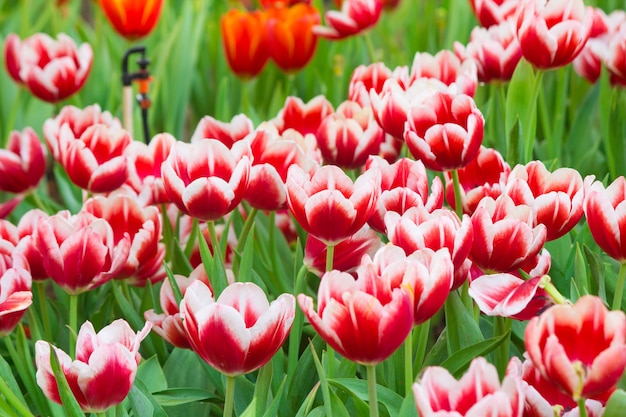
{"points": [[551, 34], [494, 12], [365, 78], [228, 133], [365, 320], [445, 131], [615, 55], [446, 67], [355, 17], [495, 50], [78, 120], [95, 161], [52, 70], [25, 245], [205, 179], [505, 237], [22, 163], [417, 228], [131, 18], [240, 331], [579, 348], [303, 117], [245, 41], [478, 392], [15, 287], [80, 253], [329, 205], [143, 225], [104, 370], [144, 168], [404, 185], [290, 35]]}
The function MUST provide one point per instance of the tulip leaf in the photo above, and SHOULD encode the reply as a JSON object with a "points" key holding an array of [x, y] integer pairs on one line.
{"points": [[596, 272], [462, 329], [459, 361], [6, 374], [176, 396], [616, 404], [142, 400], [307, 403], [408, 408], [71, 406], [69, 193], [151, 373], [358, 388]]}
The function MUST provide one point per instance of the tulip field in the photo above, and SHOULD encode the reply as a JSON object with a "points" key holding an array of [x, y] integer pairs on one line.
{"points": [[291, 208]]}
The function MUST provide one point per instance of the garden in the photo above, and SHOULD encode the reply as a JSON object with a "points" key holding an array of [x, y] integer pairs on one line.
{"points": [[259, 208]]}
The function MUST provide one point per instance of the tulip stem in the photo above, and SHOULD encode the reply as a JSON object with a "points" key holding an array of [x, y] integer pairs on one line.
{"points": [[582, 408], [458, 197], [45, 318], [370, 47], [229, 399], [73, 323], [619, 287], [9, 395], [408, 362], [371, 385], [330, 254], [296, 328], [547, 285], [243, 237], [502, 326]]}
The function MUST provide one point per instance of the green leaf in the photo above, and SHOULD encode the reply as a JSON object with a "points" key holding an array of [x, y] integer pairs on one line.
{"points": [[461, 328], [358, 387], [596, 272], [71, 406], [151, 374], [6, 373], [143, 402], [616, 405], [461, 359], [177, 396]]}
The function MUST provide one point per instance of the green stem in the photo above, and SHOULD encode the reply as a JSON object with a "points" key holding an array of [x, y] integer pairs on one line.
{"points": [[408, 363], [371, 51], [502, 325], [547, 285], [229, 399], [101, 414], [296, 328], [503, 143], [528, 132], [330, 254], [458, 197], [43, 307], [13, 400], [215, 243], [243, 237], [73, 323], [582, 408], [619, 287], [371, 388], [421, 336]]}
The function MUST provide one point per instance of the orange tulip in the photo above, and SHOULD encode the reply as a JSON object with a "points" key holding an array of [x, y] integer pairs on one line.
{"points": [[132, 18], [291, 38], [245, 41]]}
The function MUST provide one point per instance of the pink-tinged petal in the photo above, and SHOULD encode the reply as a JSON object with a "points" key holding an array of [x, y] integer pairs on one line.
{"points": [[45, 376], [480, 380], [248, 299], [168, 327], [433, 390], [86, 342], [503, 294]]}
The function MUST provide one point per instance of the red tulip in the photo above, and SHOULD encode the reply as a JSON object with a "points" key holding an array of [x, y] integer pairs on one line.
{"points": [[131, 18], [104, 370], [144, 168], [445, 131], [446, 67], [478, 393], [364, 320], [78, 120], [303, 117], [556, 198], [80, 253], [22, 163], [329, 205], [606, 218], [484, 176], [365, 78], [240, 331], [579, 348], [52, 70], [349, 136], [495, 50], [245, 41], [228, 133], [551, 34], [615, 55], [169, 324], [25, 229], [15, 286], [95, 161], [505, 237], [355, 17], [290, 35], [143, 225], [205, 179], [494, 12], [417, 228], [404, 185]]}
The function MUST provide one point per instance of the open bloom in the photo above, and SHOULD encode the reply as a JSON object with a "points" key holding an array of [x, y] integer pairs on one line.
{"points": [[329, 205], [606, 217], [240, 331], [446, 67], [245, 41], [104, 370], [494, 12], [15, 287], [228, 133], [552, 33], [478, 392], [355, 17], [52, 70], [303, 117], [445, 131], [132, 19], [580, 348], [22, 163], [364, 320], [205, 179]]}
